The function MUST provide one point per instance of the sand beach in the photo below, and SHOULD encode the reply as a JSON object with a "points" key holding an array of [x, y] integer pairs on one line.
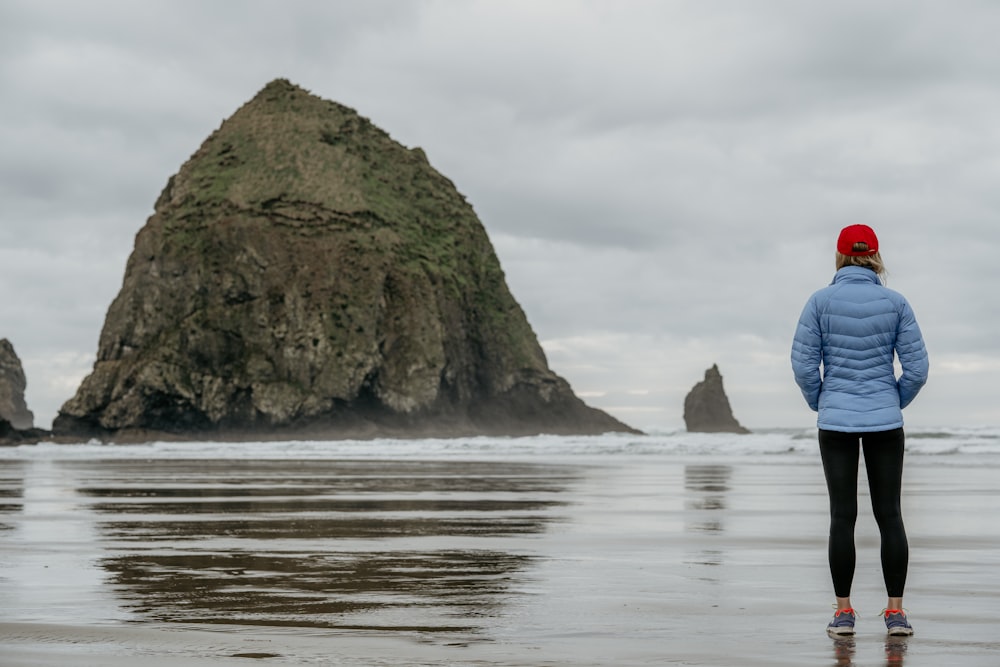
{"points": [[669, 549]]}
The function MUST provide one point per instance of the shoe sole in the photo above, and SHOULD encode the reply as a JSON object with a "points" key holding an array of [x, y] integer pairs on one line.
{"points": [[900, 632], [840, 632]]}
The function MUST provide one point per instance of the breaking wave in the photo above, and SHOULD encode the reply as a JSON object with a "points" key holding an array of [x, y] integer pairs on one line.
{"points": [[770, 443]]}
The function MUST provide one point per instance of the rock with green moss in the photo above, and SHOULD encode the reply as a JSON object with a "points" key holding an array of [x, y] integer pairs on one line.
{"points": [[304, 275]]}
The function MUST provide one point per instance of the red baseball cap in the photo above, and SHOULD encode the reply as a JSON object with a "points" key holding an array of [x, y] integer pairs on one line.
{"points": [[857, 234]]}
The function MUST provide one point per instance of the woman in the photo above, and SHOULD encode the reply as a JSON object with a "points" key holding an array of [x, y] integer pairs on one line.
{"points": [[842, 357]]}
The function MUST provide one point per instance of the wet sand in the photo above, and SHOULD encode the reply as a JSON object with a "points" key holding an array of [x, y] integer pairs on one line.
{"points": [[623, 561]]}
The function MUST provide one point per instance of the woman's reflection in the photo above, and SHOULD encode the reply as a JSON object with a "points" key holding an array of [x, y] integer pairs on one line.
{"points": [[844, 649]]}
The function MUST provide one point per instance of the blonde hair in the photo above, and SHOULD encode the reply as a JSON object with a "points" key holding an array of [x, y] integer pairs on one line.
{"points": [[873, 262]]}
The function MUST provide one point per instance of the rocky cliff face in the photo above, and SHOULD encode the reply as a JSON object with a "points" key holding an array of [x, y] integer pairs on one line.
{"points": [[706, 407], [12, 385], [305, 275]]}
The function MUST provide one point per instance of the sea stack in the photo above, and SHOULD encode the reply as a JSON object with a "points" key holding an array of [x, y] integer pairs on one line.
{"points": [[706, 407], [305, 276], [13, 409]]}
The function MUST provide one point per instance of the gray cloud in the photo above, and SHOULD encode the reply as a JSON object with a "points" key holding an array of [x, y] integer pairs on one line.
{"points": [[663, 181]]}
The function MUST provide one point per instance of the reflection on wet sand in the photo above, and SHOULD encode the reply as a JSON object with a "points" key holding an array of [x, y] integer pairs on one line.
{"points": [[705, 488], [845, 648], [895, 651], [377, 545], [11, 492], [404, 591]]}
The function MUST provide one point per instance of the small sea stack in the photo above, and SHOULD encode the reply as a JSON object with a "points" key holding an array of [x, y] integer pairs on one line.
{"points": [[17, 422], [707, 409], [13, 408]]}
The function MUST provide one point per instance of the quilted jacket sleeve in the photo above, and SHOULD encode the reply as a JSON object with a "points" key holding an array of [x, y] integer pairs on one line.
{"points": [[807, 354], [912, 356]]}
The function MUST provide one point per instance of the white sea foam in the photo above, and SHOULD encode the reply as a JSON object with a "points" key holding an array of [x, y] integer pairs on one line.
{"points": [[962, 443]]}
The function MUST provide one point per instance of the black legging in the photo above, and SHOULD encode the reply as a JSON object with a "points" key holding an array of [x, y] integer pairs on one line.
{"points": [[884, 462]]}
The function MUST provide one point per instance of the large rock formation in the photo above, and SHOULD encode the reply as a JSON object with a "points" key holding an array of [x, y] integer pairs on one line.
{"points": [[706, 407], [13, 409], [304, 275]]}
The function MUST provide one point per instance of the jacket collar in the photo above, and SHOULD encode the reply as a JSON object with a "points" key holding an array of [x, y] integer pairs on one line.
{"points": [[855, 274]]}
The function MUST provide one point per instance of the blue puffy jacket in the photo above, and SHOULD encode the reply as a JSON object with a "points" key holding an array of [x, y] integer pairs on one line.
{"points": [[851, 329]]}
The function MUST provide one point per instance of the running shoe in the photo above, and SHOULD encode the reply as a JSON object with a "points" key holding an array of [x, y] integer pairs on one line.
{"points": [[896, 623], [842, 623]]}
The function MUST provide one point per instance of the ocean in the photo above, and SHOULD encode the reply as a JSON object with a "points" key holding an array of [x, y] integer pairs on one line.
{"points": [[665, 548]]}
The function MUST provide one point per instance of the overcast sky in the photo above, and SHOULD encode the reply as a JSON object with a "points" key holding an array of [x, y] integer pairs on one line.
{"points": [[663, 181]]}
